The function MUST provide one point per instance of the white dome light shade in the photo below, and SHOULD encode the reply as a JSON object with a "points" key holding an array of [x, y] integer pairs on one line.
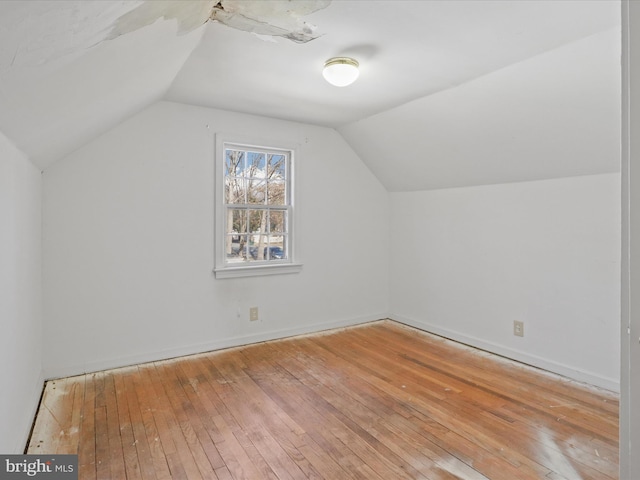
{"points": [[340, 71]]}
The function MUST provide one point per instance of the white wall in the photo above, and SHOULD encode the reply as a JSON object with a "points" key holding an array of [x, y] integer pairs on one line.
{"points": [[128, 243], [20, 296], [467, 262]]}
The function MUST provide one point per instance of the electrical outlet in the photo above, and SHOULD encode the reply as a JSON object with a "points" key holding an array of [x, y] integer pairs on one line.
{"points": [[253, 314], [518, 328]]}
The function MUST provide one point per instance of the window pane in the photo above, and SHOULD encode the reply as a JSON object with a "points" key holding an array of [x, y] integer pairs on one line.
{"points": [[257, 221], [234, 163], [234, 190], [257, 192], [276, 193], [236, 221], [236, 248], [276, 250], [276, 168], [277, 222], [258, 247], [256, 165]]}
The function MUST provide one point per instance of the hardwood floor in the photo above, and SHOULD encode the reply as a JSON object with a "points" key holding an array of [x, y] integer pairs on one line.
{"points": [[380, 401]]}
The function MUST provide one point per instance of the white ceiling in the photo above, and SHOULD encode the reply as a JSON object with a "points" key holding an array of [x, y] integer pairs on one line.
{"points": [[431, 71]]}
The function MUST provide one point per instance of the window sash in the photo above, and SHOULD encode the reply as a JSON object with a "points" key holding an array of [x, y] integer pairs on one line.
{"points": [[268, 243]]}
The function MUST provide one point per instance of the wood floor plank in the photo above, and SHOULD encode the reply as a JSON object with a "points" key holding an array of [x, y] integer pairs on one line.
{"points": [[373, 402], [146, 404], [116, 457], [87, 443], [129, 451]]}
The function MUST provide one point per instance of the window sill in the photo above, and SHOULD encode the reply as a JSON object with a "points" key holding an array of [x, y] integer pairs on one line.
{"points": [[258, 270]]}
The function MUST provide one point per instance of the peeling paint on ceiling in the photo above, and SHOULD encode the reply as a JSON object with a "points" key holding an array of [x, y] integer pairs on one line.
{"points": [[278, 18], [275, 18], [189, 14], [69, 28]]}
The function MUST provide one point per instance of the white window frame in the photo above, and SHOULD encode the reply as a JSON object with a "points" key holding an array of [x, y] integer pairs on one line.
{"points": [[223, 268]]}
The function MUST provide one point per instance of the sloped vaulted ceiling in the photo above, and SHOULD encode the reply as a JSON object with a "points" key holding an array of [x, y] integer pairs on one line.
{"points": [[62, 82], [469, 91]]}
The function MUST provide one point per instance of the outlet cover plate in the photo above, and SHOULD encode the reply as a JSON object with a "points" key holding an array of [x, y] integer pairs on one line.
{"points": [[518, 328]]}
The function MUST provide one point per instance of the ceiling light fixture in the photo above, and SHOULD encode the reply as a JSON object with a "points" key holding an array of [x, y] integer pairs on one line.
{"points": [[340, 71]]}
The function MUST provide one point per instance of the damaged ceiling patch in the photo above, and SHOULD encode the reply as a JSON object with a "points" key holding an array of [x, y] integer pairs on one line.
{"points": [[189, 15], [274, 18], [277, 18], [67, 29]]}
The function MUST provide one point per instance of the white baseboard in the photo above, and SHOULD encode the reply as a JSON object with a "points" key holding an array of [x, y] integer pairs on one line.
{"points": [[106, 364], [522, 357]]}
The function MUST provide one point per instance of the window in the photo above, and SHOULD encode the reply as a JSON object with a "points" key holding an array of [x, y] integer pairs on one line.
{"points": [[254, 227]]}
